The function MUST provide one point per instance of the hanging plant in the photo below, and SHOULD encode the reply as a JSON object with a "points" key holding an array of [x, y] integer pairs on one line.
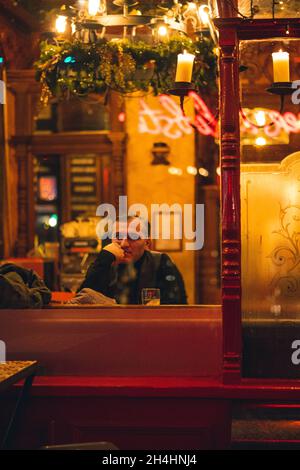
{"points": [[77, 69]]}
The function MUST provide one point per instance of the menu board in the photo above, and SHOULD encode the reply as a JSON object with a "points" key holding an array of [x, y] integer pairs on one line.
{"points": [[83, 185]]}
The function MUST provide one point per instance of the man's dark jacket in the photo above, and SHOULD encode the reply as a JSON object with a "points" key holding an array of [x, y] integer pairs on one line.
{"points": [[125, 282], [22, 288]]}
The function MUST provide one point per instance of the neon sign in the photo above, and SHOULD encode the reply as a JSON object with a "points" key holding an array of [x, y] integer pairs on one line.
{"points": [[170, 122]]}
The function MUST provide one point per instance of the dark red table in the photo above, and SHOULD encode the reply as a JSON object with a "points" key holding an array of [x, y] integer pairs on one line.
{"points": [[12, 372]]}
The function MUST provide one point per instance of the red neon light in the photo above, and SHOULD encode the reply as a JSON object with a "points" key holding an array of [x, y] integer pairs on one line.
{"points": [[170, 121]]}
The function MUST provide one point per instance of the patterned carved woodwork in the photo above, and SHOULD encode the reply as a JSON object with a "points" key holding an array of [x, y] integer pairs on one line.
{"points": [[270, 242], [25, 200], [16, 52], [230, 205], [19, 38], [19, 45], [22, 85]]}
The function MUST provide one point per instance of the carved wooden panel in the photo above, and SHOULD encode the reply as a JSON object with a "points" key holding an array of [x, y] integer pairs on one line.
{"points": [[230, 205], [18, 35]]}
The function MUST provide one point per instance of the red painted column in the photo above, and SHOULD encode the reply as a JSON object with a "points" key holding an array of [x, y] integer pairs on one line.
{"points": [[230, 204]]}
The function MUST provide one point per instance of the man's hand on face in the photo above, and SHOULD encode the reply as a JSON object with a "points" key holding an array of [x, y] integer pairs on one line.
{"points": [[116, 250]]}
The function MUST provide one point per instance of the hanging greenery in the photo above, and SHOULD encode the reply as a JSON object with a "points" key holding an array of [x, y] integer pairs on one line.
{"points": [[77, 69]]}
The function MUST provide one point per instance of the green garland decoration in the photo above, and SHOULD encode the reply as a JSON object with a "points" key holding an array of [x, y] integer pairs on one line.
{"points": [[76, 69]]}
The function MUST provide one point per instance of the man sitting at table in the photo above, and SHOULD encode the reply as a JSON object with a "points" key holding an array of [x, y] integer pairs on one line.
{"points": [[126, 265]]}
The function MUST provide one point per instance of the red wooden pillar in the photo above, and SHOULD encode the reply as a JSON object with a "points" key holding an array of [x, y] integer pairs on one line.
{"points": [[230, 203], [22, 85]]}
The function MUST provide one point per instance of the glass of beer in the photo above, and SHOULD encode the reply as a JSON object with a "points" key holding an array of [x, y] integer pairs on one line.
{"points": [[151, 296]]}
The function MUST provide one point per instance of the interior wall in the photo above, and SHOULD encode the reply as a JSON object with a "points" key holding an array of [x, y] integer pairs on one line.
{"points": [[153, 184]]}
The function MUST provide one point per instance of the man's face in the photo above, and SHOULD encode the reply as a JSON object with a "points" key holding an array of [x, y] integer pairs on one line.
{"points": [[126, 236]]}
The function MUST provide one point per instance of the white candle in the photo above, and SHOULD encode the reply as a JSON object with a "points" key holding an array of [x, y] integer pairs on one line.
{"points": [[281, 66], [184, 70]]}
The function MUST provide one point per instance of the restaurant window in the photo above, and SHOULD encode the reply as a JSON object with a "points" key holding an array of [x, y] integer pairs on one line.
{"points": [[73, 115], [175, 170], [170, 169], [270, 210]]}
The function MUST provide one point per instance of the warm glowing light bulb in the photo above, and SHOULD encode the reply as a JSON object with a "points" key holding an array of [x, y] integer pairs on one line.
{"points": [[260, 117], [218, 171], [203, 172], [192, 170], [175, 171], [61, 24], [203, 12], [260, 141], [192, 5], [93, 7], [162, 31]]}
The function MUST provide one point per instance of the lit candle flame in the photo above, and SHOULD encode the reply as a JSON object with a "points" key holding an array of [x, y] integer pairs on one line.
{"points": [[93, 7], [61, 24]]}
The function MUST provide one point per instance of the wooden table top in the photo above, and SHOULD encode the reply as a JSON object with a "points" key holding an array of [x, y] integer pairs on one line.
{"points": [[12, 372]]}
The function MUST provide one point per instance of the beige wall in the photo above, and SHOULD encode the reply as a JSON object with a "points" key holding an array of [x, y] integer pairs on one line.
{"points": [[152, 184]]}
